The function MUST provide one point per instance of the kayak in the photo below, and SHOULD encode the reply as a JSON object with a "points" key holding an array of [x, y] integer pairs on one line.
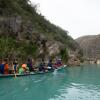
{"points": [[29, 74], [61, 67], [26, 74]]}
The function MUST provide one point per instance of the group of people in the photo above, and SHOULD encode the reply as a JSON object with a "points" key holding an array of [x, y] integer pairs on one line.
{"points": [[8, 68], [14, 67]]}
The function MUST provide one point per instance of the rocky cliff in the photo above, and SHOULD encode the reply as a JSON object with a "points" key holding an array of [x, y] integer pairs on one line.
{"points": [[90, 46], [25, 33]]}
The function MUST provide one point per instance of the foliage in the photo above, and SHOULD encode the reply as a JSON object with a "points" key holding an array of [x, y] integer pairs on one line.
{"points": [[64, 55], [23, 8], [11, 49]]}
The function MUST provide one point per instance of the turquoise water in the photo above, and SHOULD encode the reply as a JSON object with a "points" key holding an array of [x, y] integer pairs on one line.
{"points": [[75, 83]]}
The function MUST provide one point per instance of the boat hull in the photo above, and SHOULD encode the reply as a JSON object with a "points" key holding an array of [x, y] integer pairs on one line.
{"points": [[26, 74], [30, 74]]}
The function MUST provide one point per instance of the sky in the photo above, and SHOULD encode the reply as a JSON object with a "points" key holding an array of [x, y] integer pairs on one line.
{"points": [[79, 17]]}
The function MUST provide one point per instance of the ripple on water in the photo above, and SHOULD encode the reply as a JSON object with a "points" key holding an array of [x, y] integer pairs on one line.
{"points": [[79, 92], [74, 84]]}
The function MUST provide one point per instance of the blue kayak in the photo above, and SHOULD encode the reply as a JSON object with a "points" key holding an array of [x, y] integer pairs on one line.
{"points": [[29, 74]]}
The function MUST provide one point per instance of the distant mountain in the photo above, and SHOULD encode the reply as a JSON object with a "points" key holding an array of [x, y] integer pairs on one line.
{"points": [[90, 45]]}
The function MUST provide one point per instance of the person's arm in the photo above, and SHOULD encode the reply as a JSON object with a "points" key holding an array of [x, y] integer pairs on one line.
{"points": [[14, 70]]}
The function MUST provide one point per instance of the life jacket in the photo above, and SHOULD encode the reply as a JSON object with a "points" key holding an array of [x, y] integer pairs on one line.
{"points": [[29, 65], [21, 70], [59, 63], [6, 69], [2, 68], [49, 64]]}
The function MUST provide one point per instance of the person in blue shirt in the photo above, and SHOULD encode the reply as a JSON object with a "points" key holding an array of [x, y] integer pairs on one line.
{"points": [[1, 67], [15, 64]]}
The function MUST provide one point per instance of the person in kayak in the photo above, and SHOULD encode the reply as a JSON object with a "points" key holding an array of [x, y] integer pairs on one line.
{"points": [[15, 65], [1, 67], [11, 68], [59, 63], [30, 65], [50, 65], [23, 69], [42, 66], [6, 66]]}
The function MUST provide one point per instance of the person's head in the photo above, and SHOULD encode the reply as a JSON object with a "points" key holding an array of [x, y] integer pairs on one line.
{"points": [[0, 61], [42, 60], [15, 62], [28, 60], [24, 65], [50, 60], [6, 60]]}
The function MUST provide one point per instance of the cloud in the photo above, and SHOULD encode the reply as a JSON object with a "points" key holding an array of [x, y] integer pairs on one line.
{"points": [[79, 17]]}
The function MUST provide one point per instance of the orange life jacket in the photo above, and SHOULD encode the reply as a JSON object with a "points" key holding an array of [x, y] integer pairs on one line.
{"points": [[6, 69]]}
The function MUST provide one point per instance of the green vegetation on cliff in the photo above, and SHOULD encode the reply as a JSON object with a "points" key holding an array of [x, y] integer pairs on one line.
{"points": [[24, 32]]}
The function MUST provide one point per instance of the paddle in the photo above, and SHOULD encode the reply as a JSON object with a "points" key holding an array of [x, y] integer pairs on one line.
{"points": [[15, 74]]}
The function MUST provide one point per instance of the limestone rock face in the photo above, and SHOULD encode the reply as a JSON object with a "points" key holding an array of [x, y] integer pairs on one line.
{"points": [[10, 23], [90, 46], [51, 49], [26, 33], [54, 47], [73, 62]]}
